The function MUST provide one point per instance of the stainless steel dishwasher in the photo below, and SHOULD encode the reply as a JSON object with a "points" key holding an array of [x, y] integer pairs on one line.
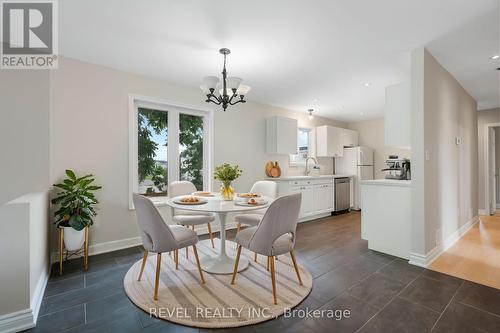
{"points": [[342, 194]]}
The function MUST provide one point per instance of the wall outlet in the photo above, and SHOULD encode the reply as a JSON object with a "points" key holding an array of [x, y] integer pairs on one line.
{"points": [[438, 237], [427, 155], [458, 141]]}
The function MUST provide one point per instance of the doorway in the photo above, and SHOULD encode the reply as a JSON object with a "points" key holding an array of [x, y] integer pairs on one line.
{"points": [[492, 165]]}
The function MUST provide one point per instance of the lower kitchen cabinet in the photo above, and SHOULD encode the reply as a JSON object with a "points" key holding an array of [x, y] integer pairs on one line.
{"points": [[318, 194], [323, 198], [307, 205]]}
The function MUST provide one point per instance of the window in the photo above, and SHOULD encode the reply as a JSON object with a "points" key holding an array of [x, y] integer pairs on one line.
{"points": [[304, 147], [167, 143], [152, 151]]}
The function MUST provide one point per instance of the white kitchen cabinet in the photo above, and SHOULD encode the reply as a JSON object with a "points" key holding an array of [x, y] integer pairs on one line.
{"points": [[318, 194], [397, 115], [307, 203], [349, 138], [329, 141], [281, 135], [323, 198]]}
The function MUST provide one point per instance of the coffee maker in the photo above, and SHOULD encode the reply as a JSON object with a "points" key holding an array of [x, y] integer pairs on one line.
{"points": [[397, 168]]}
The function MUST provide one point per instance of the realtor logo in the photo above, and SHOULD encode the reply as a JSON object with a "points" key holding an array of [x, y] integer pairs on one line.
{"points": [[29, 34]]}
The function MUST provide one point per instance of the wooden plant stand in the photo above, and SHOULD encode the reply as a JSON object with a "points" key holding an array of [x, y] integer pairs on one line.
{"points": [[65, 254]]}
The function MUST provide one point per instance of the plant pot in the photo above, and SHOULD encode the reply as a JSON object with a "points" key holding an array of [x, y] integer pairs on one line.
{"points": [[73, 239]]}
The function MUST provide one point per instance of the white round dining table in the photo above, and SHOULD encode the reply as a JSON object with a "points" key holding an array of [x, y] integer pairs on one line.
{"points": [[222, 263]]}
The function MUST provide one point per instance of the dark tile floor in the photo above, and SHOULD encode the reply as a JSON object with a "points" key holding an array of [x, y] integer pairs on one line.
{"points": [[382, 293]]}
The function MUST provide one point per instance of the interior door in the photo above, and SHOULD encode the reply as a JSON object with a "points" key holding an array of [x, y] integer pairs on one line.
{"points": [[491, 170]]}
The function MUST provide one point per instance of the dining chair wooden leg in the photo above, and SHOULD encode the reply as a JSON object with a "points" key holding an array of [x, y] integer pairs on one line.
{"points": [[210, 234], [198, 263], [238, 227], [273, 279], [187, 253], [267, 264], [296, 267], [236, 262], [176, 255], [255, 256], [144, 259], [157, 279]]}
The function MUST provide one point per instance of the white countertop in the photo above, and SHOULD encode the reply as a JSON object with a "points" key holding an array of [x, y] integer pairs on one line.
{"points": [[386, 182], [285, 178]]}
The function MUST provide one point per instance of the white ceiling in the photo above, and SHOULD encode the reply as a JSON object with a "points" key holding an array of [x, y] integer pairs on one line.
{"points": [[292, 52]]}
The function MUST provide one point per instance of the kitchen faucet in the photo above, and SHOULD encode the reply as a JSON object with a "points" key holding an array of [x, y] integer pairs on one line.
{"points": [[306, 171]]}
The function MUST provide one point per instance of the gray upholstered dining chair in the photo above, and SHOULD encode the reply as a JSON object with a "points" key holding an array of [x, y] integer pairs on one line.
{"points": [[274, 235], [185, 217], [264, 188], [158, 237]]}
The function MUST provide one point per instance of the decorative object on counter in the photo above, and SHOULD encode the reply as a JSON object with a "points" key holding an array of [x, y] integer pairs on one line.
{"points": [[230, 88], [226, 174], [74, 217], [269, 166], [275, 171]]}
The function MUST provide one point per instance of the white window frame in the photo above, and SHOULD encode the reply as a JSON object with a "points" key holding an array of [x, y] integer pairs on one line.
{"points": [[311, 150], [174, 110]]}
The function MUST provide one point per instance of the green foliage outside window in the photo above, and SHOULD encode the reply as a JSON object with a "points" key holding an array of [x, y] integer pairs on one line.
{"points": [[154, 122]]}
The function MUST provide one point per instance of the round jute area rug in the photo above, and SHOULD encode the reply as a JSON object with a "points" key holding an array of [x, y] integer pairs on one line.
{"points": [[182, 299]]}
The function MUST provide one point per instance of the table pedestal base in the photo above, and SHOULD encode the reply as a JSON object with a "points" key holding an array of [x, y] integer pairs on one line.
{"points": [[222, 264]]}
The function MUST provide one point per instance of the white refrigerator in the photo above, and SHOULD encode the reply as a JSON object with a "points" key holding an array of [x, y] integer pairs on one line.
{"points": [[357, 161]]}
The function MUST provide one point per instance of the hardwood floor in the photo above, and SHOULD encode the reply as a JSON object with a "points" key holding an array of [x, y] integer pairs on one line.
{"points": [[475, 256], [382, 293]]}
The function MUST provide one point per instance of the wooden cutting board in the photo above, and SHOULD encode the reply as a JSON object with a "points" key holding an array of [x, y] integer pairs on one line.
{"points": [[275, 170], [269, 166]]}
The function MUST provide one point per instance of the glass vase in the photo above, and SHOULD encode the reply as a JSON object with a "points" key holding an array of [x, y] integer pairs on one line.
{"points": [[227, 191]]}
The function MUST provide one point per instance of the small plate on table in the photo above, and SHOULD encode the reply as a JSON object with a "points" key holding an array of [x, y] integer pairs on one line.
{"points": [[251, 202], [189, 201], [204, 194]]}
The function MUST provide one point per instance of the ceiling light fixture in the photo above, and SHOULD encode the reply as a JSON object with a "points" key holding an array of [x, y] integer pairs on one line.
{"points": [[495, 57], [229, 90], [310, 113]]}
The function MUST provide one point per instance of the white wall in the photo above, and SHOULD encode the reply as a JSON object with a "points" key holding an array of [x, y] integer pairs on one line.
{"points": [[24, 248], [24, 224], [89, 133], [24, 132], [371, 134], [483, 118], [444, 186]]}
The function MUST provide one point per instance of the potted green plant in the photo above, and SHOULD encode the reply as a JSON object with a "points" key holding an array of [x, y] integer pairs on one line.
{"points": [[226, 174], [76, 202]]}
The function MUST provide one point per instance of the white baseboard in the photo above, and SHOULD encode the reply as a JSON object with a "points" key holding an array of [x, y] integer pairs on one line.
{"points": [[130, 242], [36, 302], [421, 260], [482, 212], [417, 259], [17, 321], [25, 319], [104, 247]]}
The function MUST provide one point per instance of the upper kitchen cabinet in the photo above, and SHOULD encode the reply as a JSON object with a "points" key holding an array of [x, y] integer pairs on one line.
{"points": [[349, 138], [281, 135], [329, 141], [397, 115]]}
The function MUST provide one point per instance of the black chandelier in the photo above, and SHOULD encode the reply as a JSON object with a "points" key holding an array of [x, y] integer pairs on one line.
{"points": [[228, 91]]}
